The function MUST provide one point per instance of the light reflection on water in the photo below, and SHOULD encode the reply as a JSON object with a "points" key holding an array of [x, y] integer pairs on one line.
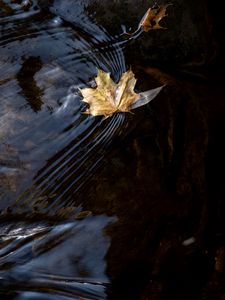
{"points": [[67, 258], [49, 150]]}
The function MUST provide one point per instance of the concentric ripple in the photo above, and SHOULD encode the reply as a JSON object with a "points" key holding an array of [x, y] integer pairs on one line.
{"points": [[49, 150], [43, 63]]}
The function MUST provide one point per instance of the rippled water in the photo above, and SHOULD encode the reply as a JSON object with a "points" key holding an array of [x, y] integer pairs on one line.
{"points": [[49, 150], [43, 62]]}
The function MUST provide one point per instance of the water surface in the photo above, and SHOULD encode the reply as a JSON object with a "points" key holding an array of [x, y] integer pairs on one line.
{"points": [[49, 150]]}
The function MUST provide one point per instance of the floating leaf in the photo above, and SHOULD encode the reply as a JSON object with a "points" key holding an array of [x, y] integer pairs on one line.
{"points": [[109, 97], [152, 18]]}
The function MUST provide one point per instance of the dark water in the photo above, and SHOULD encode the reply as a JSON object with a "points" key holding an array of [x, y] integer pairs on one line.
{"points": [[49, 151], [129, 207]]}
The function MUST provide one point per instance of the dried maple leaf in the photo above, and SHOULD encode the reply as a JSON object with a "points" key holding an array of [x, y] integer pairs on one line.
{"points": [[152, 18], [109, 97]]}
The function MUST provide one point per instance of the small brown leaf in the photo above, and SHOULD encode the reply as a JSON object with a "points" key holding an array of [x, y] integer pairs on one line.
{"points": [[109, 97], [152, 18]]}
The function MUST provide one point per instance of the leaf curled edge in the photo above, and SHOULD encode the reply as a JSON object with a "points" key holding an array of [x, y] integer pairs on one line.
{"points": [[146, 97]]}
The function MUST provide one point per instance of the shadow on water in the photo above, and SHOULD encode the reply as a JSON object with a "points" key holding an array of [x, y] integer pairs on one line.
{"points": [[27, 83]]}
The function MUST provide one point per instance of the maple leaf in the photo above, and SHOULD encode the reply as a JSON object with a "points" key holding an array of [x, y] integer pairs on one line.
{"points": [[109, 97], [152, 18]]}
